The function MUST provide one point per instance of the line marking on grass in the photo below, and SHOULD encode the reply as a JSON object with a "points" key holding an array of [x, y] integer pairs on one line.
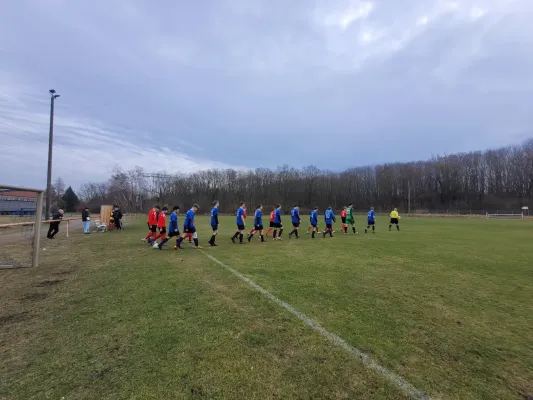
{"points": [[333, 338]]}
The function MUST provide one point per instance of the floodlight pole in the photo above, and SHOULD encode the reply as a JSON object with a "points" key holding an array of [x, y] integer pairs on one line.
{"points": [[53, 96]]}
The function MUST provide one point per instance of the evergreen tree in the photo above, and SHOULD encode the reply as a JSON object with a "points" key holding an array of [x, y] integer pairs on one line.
{"points": [[71, 200]]}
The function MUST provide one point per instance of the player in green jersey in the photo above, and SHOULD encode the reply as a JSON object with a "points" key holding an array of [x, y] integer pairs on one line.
{"points": [[350, 219]]}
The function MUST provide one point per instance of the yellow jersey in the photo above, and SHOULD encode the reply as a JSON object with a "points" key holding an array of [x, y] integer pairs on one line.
{"points": [[394, 214]]}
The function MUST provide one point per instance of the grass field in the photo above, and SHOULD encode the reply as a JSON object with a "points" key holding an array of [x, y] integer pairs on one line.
{"points": [[445, 303]]}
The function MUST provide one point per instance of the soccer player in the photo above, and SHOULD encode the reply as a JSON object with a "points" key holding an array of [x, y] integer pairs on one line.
{"points": [[343, 219], [371, 221], [394, 219], [313, 219], [162, 225], [173, 228], [241, 225], [152, 223], [189, 228], [258, 223], [272, 217], [329, 218], [214, 222], [310, 224], [153, 217], [350, 219], [277, 223], [295, 216]]}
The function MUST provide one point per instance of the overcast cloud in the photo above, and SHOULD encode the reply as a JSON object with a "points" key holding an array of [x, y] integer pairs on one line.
{"points": [[181, 86]]}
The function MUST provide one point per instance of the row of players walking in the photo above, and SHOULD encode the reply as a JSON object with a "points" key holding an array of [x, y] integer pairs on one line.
{"points": [[157, 221]]}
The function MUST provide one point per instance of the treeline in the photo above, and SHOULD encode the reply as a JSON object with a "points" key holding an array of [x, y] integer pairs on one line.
{"points": [[499, 179]]}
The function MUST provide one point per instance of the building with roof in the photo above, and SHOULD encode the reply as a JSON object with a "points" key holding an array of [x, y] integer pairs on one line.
{"points": [[13, 202]]}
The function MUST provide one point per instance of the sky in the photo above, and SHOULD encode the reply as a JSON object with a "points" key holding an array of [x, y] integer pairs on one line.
{"points": [[180, 86]]}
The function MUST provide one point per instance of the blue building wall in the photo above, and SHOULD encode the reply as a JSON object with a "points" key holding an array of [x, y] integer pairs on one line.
{"points": [[17, 207]]}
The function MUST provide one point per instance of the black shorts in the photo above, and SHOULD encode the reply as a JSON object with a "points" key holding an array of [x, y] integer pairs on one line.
{"points": [[314, 225], [153, 228], [343, 220], [371, 223], [172, 234], [214, 227], [394, 221], [149, 227], [295, 224], [271, 224], [278, 225], [329, 226], [258, 227], [162, 230], [190, 230], [241, 227]]}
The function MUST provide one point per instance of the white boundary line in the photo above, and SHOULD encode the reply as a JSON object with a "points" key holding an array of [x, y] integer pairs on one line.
{"points": [[333, 338]]}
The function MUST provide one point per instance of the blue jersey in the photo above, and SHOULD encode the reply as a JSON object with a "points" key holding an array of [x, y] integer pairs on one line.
{"points": [[295, 215], [240, 216], [329, 217], [189, 219], [277, 216], [214, 216], [371, 214], [258, 218], [314, 217], [173, 224]]}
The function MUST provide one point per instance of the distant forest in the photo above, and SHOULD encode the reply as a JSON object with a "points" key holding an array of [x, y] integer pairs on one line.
{"points": [[489, 180]]}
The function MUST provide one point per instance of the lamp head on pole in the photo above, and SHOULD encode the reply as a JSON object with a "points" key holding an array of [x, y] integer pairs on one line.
{"points": [[56, 96], [52, 91]]}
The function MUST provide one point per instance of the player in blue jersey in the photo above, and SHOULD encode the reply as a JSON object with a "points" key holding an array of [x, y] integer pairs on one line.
{"points": [[214, 222], [277, 223], [310, 225], [241, 225], [173, 228], [371, 221], [258, 223], [313, 221], [329, 219], [295, 217], [189, 228]]}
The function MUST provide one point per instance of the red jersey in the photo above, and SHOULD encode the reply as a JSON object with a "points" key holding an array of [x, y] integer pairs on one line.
{"points": [[152, 217], [161, 220], [244, 216], [343, 214], [272, 216]]}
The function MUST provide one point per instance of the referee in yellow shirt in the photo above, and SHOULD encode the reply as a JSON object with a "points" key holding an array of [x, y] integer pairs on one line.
{"points": [[394, 219]]}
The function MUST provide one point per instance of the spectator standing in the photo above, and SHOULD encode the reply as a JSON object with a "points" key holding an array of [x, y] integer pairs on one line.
{"points": [[117, 218], [54, 225], [86, 218]]}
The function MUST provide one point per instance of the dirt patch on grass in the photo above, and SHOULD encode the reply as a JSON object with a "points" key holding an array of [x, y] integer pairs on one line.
{"points": [[35, 296], [49, 283], [64, 273], [14, 318], [100, 373]]}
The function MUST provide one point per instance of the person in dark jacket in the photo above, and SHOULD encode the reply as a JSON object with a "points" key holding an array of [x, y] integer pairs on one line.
{"points": [[54, 226], [86, 218], [117, 217]]}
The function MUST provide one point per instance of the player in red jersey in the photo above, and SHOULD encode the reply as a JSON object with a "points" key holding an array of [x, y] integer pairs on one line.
{"points": [[343, 219], [162, 225], [152, 223], [272, 216]]}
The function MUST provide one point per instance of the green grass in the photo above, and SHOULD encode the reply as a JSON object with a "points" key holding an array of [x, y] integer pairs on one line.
{"points": [[445, 303]]}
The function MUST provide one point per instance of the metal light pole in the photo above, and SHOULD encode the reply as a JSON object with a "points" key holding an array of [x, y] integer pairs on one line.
{"points": [[53, 96]]}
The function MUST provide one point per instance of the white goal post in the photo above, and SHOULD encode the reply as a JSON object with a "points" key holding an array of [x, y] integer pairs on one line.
{"points": [[505, 216], [21, 215]]}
